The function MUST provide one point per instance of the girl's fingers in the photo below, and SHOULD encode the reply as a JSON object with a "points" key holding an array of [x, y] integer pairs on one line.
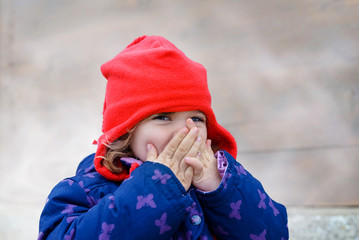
{"points": [[209, 147], [172, 146], [197, 166], [151, 153], [186, 144], [190, 124], [196, 147], [192, 152], [207, 155], [188, 174], [182, 142]]}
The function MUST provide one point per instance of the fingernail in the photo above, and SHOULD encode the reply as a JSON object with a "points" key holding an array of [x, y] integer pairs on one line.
{"points": [[198, 139], [195, 130], [149, 147], [184, 130]]}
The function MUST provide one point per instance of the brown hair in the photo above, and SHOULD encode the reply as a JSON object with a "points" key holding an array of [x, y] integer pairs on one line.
{"points": [[116, 150]]}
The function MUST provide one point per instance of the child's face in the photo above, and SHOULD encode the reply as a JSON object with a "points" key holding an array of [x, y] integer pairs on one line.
{"points": [[159, 129]]}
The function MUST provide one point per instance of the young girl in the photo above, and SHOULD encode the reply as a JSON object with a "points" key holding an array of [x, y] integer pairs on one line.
{"points": [[164, 168]]}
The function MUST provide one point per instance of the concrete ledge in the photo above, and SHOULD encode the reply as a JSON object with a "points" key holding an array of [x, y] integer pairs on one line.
{"points": [[323, 223]]}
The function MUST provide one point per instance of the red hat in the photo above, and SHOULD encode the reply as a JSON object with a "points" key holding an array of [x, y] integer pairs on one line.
{"points": [[152, 76]]}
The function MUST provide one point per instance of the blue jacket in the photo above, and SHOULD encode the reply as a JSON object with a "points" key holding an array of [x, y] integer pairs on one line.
{"points": [[152, 204]]}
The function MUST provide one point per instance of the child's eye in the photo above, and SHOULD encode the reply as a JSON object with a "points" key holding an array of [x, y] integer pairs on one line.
{"points": [[197, 119], [162, 117]]}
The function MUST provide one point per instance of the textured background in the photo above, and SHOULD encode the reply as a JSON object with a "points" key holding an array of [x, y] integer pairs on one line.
{"points": [[283, 77]]}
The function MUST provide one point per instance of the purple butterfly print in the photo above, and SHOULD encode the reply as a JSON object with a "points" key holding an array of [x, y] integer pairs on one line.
{"points": [[204, 238], [275, 210], [69, 181], [70, 236], [163, 178], [92, 201], [106, 230], [162, 224], [193, 210], [143, 201], [262, 203], [69, 209], [89, 168], [90, 175], [81, 184], [226, 177], [220, 230], [262, 236], [40, 236], [235, 210], [240, 170], [71, 219], [112, 204]]}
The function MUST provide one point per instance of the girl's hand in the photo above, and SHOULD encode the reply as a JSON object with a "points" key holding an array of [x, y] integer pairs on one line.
{"points": [[206, 176], [186, 143]]}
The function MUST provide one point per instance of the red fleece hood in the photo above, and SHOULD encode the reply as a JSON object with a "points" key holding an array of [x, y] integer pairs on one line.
{"points": [[151, 76]]}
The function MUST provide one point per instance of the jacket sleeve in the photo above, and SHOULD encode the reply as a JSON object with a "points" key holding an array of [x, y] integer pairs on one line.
{"points": [[149, 205], [241, 209]]}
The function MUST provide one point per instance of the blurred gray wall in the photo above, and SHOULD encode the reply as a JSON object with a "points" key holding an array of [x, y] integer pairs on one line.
{"points": [[283, 76]]}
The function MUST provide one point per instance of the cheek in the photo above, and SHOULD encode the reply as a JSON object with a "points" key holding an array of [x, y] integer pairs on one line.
{"points": [[137, 148], [140, 141], [160, 141]]}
